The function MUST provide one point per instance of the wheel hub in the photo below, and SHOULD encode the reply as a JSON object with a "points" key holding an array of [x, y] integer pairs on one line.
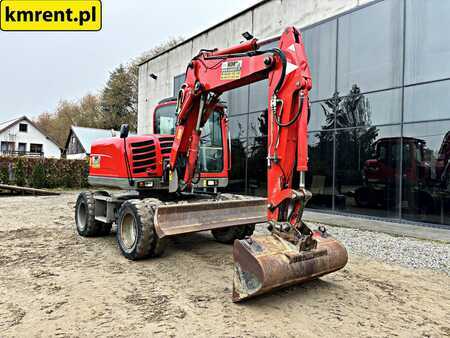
{"points": [[128, 231], [82, 216]]}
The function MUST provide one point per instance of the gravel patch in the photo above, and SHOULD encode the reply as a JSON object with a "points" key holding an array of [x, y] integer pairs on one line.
{"points": [[405, 251]]}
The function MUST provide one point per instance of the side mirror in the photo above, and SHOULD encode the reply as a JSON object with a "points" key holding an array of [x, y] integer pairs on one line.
{"points": [[124, 130]]}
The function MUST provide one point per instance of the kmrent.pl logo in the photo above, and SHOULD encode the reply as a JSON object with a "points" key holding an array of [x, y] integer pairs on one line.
{"points": [[50, 15]]}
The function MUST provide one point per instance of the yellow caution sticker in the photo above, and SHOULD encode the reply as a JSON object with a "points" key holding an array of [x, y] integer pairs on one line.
{"points": [[95, 161], [231, 70], [50, 15]]}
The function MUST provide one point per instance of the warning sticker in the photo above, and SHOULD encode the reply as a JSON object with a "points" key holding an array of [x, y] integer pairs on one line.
{"points": [[95, 161], [231, 70]]}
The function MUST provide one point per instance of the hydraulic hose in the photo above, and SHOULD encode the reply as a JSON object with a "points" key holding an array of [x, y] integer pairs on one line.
{"points": [[297, 115]]}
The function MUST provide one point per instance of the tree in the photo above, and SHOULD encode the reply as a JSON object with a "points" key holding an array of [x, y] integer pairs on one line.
{"points": [[89, 114], [116, 104], [116, 101], [119, 98], [84, 113], [355, 135]]}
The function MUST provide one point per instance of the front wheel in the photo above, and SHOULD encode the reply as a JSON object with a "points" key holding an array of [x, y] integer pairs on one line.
{"points": [[85, 221], [136, 234], [229, 235]]}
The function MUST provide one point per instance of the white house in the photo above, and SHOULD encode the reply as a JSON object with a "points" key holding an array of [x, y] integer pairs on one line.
{"points": [[22, 137]]}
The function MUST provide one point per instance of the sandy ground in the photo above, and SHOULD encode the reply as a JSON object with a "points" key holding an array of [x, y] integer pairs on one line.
{"points": [[56, 283]]}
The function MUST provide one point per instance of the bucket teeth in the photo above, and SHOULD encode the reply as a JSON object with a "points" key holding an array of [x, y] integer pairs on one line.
{"points": [[265, 263]]}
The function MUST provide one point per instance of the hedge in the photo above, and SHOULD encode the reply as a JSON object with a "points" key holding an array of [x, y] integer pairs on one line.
{"points": [[44, 172]]}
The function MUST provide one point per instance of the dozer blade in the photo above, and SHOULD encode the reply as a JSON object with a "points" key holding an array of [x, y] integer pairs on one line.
{"points": [[200, 216], [265, 263]]}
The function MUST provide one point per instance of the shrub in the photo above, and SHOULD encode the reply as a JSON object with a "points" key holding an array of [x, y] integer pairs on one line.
{"points": [[19, 173], [38, 176], [4, 174], [45, 173]]}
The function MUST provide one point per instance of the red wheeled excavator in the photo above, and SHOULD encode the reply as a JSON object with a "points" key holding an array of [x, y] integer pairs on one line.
{"points": [[148, 213]]}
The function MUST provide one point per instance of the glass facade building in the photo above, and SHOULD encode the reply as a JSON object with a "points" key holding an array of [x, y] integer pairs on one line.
{"points": [[379, 134]]}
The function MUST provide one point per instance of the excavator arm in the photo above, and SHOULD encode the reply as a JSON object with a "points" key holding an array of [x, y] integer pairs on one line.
{"points": [[292, 252], [214, 72]]}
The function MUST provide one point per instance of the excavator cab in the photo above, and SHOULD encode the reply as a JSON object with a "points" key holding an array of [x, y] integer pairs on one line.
{"points": [[214, 151], [214, 146]]}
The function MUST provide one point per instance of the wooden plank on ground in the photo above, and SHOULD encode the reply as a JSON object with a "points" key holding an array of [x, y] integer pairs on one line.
{"points": [[27, 190]]}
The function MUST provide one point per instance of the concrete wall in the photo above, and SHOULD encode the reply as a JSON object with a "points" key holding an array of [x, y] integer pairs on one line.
{"points": [[33, 135], [264, 20]]}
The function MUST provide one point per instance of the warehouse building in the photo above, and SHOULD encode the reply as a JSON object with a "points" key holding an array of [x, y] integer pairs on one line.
{"points": [[379, 140]]}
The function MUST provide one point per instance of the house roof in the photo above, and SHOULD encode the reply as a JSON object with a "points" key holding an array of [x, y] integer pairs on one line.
{"points": [[5, 125], [10, 123], [86, 136]]}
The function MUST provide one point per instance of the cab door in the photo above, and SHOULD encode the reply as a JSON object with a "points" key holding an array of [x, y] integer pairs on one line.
{"points": [[214, 150]]}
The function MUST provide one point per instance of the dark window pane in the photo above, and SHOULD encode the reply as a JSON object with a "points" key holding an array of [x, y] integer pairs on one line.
{"points": [[257, 92], [177, 82], [368, 170], [319, 178], [359, 109], [236, 182], [322, 114], [23, 127], [7, 146], [385, 107], [427, 102], [268, 46], [426, 172], [257, 124], [370, 47], [237, 126], [35, 148], [237, 101], [427, 40], [259, 96], [257, 166], [320, 45]]}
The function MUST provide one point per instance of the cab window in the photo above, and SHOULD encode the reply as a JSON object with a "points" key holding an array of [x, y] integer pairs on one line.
{"points": [[211, 147], [165, 120]]}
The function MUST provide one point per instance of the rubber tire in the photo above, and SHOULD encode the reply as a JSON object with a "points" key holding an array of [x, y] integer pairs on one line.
{"points": [[147, 243], [92, 228], [229, 235]]}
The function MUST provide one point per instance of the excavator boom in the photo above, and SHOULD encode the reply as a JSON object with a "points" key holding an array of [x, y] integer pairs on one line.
{"points": [[292, 253]]}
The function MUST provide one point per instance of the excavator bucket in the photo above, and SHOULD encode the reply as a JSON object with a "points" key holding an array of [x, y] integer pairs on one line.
{"points": [[265, 263]]}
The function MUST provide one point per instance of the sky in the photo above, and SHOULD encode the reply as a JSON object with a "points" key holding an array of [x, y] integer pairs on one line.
{"points": [[38, 69]]}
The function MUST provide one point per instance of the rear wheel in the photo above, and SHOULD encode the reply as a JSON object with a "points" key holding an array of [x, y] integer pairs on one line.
{"points": [[85, 221], [136, 234], [229, 235]]}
